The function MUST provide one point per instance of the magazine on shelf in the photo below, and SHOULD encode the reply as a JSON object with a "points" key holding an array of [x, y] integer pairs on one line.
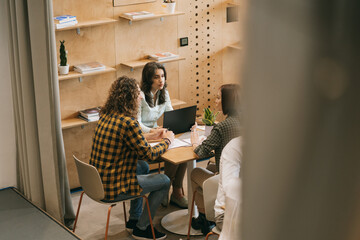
{"points": [[64, 19], [138, 15], [90, 112], [66, 24], [89, 67], [163, 56]]}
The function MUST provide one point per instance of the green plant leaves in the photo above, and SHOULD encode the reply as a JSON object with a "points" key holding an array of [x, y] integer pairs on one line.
{"points": [[209, 117]]}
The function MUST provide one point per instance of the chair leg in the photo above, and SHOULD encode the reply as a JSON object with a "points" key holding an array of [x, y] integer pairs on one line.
{"points": [[191, 214], [159, 169], [78, 210], [210, 233], [124, 212], [150, 219], [108, 220]]}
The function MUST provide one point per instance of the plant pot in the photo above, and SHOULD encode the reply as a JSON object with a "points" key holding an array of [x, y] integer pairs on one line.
{"points": [[208, 130], [169, 7], [63, 70]]}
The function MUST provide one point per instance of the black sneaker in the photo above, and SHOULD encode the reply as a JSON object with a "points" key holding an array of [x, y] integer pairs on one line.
{"points": [[147, 234], [196, 223], [130, 225]]}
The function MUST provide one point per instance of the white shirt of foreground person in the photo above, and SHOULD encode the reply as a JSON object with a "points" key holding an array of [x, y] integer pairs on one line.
{"points": [[229, 168], [148, 116]]}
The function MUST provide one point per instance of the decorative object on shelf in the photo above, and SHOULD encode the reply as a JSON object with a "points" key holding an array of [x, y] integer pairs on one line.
{"points": [[89, 67], [209, 120], [64, 21], [63, 66], [169, 6]]}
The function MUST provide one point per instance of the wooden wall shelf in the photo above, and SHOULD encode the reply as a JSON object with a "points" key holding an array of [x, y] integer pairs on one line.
{"points": [[159, 15], [236, 46], [233, 4], [76, 122], [89, 23], [141, 63], [73, 74]]}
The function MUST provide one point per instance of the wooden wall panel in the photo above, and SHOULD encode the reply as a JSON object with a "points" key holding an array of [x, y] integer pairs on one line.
{"points": [[78, 142]]}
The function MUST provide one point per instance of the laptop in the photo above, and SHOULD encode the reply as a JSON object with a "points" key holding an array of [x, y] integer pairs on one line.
{"points": [[180, 120]]}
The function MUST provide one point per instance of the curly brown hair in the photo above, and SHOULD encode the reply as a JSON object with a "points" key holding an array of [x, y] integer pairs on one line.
{"points": [[122, 97]]}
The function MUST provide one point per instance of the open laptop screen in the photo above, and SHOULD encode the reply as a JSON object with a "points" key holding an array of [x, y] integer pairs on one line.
{"points": [[180, 120]]}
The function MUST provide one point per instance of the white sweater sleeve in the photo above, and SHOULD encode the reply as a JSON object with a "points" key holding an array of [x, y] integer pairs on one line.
{"points": [[168, 106]]}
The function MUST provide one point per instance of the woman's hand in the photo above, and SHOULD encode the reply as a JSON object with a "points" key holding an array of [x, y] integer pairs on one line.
{"points": [[155, 134], [169, 135]]}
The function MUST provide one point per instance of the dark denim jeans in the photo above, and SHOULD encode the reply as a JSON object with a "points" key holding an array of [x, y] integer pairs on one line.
{"points": [[156, 184]]}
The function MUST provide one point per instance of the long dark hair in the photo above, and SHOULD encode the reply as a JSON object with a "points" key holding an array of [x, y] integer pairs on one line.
{"points": [[122, 97], [148, 74], [230, 99]]}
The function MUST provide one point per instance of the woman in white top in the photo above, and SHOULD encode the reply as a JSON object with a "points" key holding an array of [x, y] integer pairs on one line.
{"points": [[155, 102]]}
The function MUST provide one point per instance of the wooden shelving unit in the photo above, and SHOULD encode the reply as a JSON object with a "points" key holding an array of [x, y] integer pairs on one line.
{"points": [[177, 103], [141, 63], [73, 74], [159, 15], [75, 122], [235, 46], [90, 23]]}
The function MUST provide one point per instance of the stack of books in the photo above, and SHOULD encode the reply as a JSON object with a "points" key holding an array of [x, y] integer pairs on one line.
{"points": [[90, 114], [163, 56], [89, 67], [137, 15], [64, 21]]}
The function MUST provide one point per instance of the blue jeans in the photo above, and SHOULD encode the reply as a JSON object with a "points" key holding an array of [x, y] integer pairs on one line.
{"points": [[157, 185]]}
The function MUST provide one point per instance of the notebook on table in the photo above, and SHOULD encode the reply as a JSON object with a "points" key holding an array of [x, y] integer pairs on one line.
{"points": [[180, 120]]}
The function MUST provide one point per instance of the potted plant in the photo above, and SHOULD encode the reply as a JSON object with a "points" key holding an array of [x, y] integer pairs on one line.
{"points": [[169, 5], [209, 120], [63, 66]]}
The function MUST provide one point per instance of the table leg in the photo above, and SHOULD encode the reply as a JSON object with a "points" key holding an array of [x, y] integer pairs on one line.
{"points": [[177, 221], [190, 166]]}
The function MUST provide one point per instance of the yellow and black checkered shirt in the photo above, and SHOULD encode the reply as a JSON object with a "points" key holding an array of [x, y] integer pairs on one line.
{"points": [[117, 145]]}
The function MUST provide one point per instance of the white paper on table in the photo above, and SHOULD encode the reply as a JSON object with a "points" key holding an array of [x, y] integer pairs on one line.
{"points": [[175, 144], [201, 127]]}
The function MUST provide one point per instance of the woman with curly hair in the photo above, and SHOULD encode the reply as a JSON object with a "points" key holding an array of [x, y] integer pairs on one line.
{"points": [[155, 102], [118, 145]]}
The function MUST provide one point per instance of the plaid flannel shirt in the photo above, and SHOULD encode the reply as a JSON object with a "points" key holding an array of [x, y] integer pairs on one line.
{"points": [[220, 135], [117, 145]]}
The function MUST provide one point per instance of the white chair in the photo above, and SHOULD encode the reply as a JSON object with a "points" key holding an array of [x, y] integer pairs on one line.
{"points": [[232, 219], [210, 188], [91, 183]]}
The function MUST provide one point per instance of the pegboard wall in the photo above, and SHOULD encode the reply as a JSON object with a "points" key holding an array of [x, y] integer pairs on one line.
{"points": [[201, 73]]}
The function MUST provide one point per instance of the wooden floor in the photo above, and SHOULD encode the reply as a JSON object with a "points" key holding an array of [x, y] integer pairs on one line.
{"points": [[92, 219]]}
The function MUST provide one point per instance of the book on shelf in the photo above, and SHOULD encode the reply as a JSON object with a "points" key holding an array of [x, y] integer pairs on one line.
{"points": [[137, 15], [89, 119], [163, 56], [64, 19], [89, 67], [66, 24], [90, 114]]}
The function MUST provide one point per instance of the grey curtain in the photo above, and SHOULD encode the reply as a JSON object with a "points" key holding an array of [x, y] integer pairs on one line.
{"points": [[42, 175], [301, 172]]}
